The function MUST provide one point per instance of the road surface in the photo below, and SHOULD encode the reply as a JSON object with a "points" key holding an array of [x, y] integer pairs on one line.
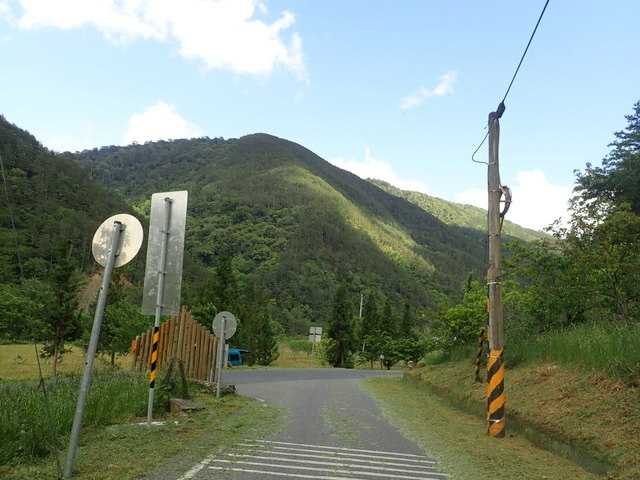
{"points": [[333, 430]]}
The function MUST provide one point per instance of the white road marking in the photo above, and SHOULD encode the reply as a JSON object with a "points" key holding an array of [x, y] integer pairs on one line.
{"points": [[318, 462], [377, 452], [350, 452], [193, 472], [374, 460], [317, 469], [305, 475]]}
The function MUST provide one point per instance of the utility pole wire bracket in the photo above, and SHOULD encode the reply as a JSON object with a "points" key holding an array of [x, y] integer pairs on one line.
{"points": [[506, 191]]}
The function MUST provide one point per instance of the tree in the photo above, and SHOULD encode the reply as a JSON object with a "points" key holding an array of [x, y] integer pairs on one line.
{"points": [[122, 323], [257, 331], [340, 330], [264, 347], [369, 324], [618, 179], [459, 324], [23, 308], [222, 288], [407, 321], [63, 322]]}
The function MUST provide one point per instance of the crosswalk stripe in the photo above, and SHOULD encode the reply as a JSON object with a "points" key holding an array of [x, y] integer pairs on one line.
{"points": [[428, 464], [321, 462], [315, 462], [350, 452]]}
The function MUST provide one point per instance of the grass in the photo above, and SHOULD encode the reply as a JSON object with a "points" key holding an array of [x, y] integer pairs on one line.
{"points": [[165, 451], [459, 441], [612, 347], [594, 413], [20, 362], [290, 359], [34, 433], [36, 421]]}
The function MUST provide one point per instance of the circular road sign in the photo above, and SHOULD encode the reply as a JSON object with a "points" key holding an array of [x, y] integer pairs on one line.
{"points": [[230, 324], [128, 244]]}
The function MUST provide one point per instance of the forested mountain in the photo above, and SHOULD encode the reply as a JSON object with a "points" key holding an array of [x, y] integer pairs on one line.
{"points": [[285, 215], [52, 204], [466, 216], [265, 213]]}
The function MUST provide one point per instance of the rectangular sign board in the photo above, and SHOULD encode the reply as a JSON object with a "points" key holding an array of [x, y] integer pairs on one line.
{"points": [[315, 334], [166, 207]]}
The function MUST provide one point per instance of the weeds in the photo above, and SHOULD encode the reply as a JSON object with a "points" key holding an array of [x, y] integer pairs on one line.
{"points": [[611, 347], [27, 432]]}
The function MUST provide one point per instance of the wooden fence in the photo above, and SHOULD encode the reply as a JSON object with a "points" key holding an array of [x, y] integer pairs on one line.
{"points": [[183, 338]]}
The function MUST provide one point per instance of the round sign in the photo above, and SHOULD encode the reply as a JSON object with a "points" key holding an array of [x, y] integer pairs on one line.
{"points": [[230, 324], [128, 244]]}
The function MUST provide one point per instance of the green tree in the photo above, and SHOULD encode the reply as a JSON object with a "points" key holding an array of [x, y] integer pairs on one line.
{"points": [[222, 288], [257, 331], [618, 179], [23, 309], [63, 322], [459, 324], [264, 347], [407, 321], [368, 325], [340, 330]]}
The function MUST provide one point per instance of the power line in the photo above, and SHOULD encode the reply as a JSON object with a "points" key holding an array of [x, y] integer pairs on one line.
{"points": [[501, 106], [525, 50]]}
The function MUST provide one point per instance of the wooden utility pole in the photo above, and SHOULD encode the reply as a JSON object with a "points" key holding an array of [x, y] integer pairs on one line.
{"points": [[495, 366]]}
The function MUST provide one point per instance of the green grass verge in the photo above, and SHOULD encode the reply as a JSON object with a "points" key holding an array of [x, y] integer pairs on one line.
{"points": [[459, 441], [131, 450]]}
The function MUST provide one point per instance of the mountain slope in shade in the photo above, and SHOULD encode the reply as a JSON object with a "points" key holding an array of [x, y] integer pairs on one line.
{"points": [[286, 215]]}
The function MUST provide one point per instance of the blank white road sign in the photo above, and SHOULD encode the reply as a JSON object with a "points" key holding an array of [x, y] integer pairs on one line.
{"points": [[171, 206]]}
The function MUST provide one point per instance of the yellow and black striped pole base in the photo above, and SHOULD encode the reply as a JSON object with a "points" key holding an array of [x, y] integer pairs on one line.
{"points": [[495, 394], [154, 357]]}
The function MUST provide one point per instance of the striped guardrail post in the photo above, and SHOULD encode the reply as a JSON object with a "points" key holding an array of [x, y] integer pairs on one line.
{"points": [[495, 394], [479, 354], [154, 358]]}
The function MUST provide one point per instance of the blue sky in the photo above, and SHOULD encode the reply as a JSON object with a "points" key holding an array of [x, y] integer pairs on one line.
{"points": [[398, 90]]}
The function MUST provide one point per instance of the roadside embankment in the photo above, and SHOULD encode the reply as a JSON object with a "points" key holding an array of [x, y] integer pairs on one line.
{"points": [[589, 418]]}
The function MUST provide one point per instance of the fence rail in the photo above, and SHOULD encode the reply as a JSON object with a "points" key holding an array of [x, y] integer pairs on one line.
{"points": [[181, 337]]}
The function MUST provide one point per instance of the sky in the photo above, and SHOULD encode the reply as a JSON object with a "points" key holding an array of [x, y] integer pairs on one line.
{"points": [[396, 90]]}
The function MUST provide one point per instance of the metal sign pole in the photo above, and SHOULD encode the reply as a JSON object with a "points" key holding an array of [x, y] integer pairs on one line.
{"points": [[159, 304], [220, 359], [91, 351]]}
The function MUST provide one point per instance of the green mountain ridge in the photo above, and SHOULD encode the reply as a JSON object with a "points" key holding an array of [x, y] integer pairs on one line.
{"points": [[461, 215], [284, 216], [283, 212], [48, 202]]}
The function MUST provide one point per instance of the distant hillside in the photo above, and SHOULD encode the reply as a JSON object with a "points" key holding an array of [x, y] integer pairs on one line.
{"points": [[457, 214], [49, 203], [287, 215]]}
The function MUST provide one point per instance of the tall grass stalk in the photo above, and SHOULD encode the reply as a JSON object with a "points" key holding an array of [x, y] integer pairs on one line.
{"points": [[612, 347], [25, 431]]}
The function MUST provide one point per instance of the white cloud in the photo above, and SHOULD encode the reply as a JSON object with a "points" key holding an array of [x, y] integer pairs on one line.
{"points": [[443, 88], [371, 167], [221, 34], [159, 122], [536, 202]]}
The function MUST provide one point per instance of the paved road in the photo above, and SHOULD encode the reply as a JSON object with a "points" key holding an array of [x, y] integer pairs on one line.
{"points": [[333, 431]]}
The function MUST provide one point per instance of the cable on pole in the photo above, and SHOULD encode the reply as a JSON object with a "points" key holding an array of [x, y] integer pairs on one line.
{"points": [[501, 106], [524, 54]]}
